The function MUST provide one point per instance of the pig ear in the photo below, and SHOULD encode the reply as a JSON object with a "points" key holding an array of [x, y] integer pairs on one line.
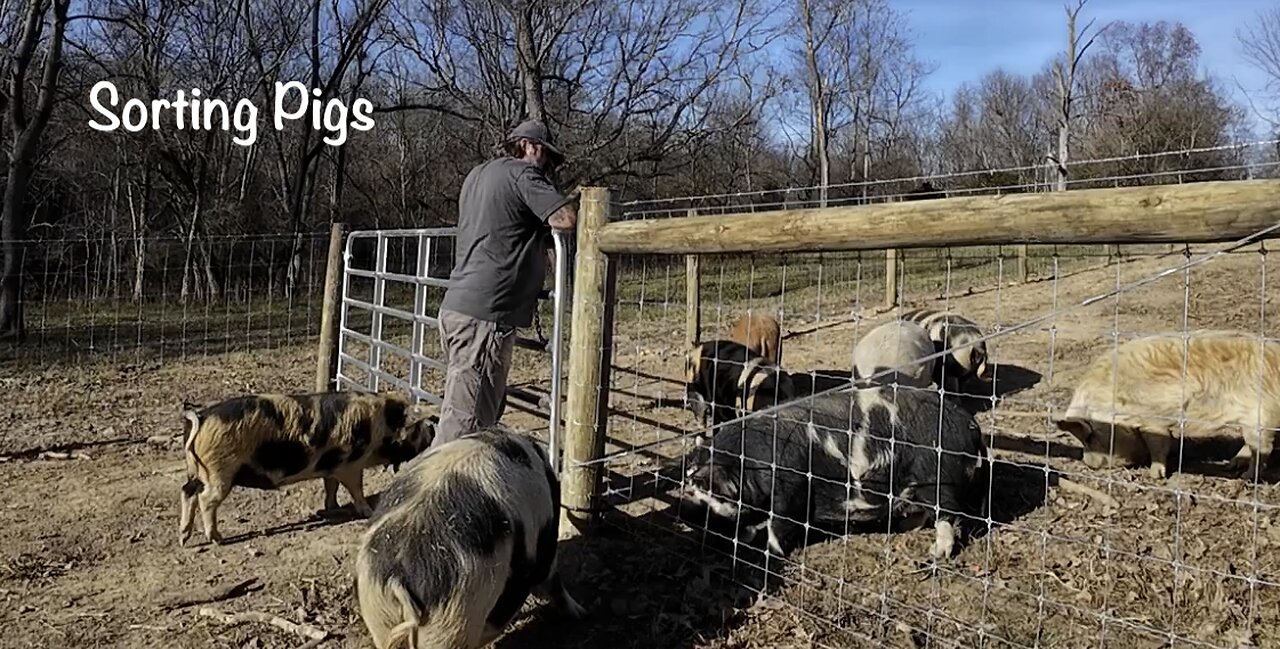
{"points": [[692, 362], [696, 461], [697, 404], [700, 476], [190, 422]]}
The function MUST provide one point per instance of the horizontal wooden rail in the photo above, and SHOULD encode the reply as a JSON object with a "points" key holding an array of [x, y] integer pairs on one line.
{"points": [[1191, 213]]}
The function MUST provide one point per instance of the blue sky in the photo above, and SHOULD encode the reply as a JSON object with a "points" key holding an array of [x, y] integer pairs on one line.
{"points": [[967, 38]]}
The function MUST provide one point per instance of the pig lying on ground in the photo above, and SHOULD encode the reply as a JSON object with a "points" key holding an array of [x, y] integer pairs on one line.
{"points": [[1226, 384], [843, 440], [267, 441], [459, 541]]}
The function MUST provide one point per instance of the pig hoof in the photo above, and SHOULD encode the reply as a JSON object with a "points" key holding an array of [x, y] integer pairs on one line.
{"points": [[1245, 472], [364, 511], [1241, 467], [215, 538], [1156, 471], [941, 549], [944, 542]]}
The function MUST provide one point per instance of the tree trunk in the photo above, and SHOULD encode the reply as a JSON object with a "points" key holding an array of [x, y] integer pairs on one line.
{"points": [[12, 228], [188, 254], [113, 265], [824, 160], [117, 256], [1064, 135], [1065, 75], [212, 289], [27, 130], [140, 219], [339, 178], [528, 60], [301, 208], [139, 266], [817, 102]]}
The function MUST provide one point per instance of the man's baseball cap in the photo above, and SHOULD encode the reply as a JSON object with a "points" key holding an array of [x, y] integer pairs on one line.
{"points": [[538, 132]]}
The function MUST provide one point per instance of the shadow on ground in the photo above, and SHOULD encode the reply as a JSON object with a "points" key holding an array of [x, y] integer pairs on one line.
{"points": [[640, 592], [980, 396], [652, 583]]}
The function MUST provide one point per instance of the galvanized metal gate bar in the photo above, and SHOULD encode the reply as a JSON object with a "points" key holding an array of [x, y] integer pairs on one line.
{"points": [[429, 241]]}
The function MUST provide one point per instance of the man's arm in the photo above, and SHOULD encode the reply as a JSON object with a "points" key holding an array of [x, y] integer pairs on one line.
{"points": [[545, 201], [565, 218]]}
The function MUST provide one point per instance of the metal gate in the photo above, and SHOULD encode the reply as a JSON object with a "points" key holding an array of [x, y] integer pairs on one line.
{"points": [[381, 336]]}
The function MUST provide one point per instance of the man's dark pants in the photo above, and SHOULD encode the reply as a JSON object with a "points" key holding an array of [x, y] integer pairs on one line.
{"points": [[479, 357]]}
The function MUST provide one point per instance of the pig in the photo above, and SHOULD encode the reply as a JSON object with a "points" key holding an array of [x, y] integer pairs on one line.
{"points": [[1230, 387], [967, 353], [459, 540], [725, 378], [267, 441], [836, 457], [896, 345], [760, 333]]}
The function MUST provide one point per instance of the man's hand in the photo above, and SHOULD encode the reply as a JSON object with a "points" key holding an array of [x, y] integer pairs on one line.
{"points": [[565, 218]]}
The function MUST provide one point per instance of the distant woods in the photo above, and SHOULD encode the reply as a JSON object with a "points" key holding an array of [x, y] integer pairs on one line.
{"points": [[652, 97]]}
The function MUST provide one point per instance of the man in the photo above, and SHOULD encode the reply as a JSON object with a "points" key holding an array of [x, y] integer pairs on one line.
{"points": [[506, 211]]}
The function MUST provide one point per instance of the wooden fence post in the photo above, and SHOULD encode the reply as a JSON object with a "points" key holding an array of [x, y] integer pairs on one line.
{"points": [[1022, 263], [891, 266], [590, 355], [692, 297], [330, 311]]}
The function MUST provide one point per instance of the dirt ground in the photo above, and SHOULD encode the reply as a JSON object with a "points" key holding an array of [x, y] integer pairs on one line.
{"points": [[88, 552]]}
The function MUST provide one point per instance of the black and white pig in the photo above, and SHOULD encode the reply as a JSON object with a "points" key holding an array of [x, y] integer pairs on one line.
{"points": [[459, 540], [855, 444], [967, 355], [266, 441], [724, 379]]}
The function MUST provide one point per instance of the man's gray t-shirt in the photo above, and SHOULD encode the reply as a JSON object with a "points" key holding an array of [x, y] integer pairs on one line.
{"points": [[502, 239]]}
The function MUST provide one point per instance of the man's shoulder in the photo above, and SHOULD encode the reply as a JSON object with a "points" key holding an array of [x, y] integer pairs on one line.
{"points": [[505, 164], [503, 170]]}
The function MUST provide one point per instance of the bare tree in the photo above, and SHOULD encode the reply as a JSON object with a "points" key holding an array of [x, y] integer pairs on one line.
{"points": [[1260, 41], [862, 86], [136, 34], [528, 57], [298, 158], [28, 125], [1064, 73], [817, 30], [997, 126], [654, 97], [883, 81], [625, 85], [1148, 94]]}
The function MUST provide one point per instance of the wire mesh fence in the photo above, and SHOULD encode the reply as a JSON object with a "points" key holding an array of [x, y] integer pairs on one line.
{"points": [[1064, 550], [123, 298]]}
